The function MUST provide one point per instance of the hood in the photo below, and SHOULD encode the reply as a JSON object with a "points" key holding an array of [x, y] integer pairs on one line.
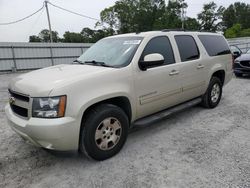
{"points": [[244, 57], [41, 82]]}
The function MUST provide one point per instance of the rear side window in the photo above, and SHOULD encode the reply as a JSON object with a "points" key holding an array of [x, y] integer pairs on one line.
{"points": [[162, 46], [187, 47], [215, 45]]}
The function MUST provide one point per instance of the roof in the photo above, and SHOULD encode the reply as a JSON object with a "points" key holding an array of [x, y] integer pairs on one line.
{"points": [[150, 33]]}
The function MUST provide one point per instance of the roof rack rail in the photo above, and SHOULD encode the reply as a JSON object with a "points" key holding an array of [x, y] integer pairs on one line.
{"points": [[177, 29], [169, 30]]}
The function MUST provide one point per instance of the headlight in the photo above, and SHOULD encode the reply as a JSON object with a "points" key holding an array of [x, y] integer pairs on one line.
{"points": [[236, 61], [51, 107]]}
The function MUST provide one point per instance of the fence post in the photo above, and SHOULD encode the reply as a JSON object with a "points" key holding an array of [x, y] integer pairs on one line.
{"points": [[51, 56], [13, 69]]}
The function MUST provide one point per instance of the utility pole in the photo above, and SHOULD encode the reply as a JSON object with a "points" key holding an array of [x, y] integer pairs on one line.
{"points": [[47, 10], [182, 18], [183, 13]]}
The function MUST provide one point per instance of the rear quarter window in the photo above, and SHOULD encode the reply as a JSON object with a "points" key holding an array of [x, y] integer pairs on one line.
{"points": [[215, 45]]}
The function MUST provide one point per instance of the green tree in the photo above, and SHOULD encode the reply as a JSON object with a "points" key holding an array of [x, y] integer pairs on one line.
{"points": [[237, 13], [143, 15], [34, 38], [237, 31], [72, 37], [92, 36], [44, 35], [109, 18], [171, 18], [233, 32], [192, 24], [211, 17], [245, 33]]}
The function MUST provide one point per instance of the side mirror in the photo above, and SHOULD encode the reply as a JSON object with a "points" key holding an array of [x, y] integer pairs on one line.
{"points": [[236, 54], [151, 60]]}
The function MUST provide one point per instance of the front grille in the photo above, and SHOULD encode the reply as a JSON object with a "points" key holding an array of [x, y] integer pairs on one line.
{"points": [[19, 103], [19, 110], [19, 96], [245, 63]]}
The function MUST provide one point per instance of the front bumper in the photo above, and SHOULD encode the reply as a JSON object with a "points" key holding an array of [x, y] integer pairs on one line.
{"points": [[56, 134], [238, 68], [242, 70]]}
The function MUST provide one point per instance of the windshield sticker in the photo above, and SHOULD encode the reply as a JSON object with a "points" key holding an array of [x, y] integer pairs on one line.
{"points": [[131, 42]]}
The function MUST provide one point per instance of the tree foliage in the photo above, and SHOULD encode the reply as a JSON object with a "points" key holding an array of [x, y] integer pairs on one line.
{"points": [[128, 16], [44, 35], [237, 31], [87, 35], [211, 17], [34, 38], [143, 15], [72, 37], [237, 13], [192, 24]]}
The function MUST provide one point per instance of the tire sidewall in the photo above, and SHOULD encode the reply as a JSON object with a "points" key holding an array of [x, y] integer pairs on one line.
{"points": [[88, 138], [214, 81]]}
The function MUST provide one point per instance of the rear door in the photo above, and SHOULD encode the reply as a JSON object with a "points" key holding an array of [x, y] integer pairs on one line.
{"points": [[193, 68]]}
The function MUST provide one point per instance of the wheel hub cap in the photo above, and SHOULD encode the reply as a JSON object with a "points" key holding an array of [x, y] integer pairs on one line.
{"points": [[215, 93], [108, 133]]}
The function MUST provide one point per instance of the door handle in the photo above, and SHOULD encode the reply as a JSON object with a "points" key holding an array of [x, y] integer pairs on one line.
{"points": [[200, 66], [174, 72]]}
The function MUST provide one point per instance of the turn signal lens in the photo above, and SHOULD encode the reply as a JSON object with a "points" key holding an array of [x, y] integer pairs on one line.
{"points": [[62, 106]]}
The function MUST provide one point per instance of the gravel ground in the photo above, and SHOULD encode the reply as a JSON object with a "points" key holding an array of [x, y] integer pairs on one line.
{"points": [[194, 148]]}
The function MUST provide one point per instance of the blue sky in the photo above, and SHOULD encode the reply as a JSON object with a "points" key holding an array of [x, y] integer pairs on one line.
{"points": [[11, 10]]}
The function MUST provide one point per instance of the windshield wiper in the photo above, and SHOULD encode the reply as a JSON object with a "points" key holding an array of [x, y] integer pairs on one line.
{"points": [[98, 63], [77, 61]]}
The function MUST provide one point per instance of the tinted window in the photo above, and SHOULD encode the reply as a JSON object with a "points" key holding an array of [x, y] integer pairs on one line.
{"points": [[162, 46], [235, 49], [215, 45], [187, 47]]}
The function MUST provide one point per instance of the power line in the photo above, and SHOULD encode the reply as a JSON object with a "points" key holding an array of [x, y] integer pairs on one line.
{"points": [[35, 22], [73, 12], [9, 23]]}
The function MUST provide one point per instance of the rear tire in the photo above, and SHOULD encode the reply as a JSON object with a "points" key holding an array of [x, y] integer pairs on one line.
{"points": [[104, 132], [213, 94]]}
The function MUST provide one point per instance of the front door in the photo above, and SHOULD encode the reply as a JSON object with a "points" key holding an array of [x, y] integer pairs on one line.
{"points": [[158, 87]]}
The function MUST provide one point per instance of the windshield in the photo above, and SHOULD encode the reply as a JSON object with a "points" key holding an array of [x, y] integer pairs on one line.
{"points": [[113, 52]]}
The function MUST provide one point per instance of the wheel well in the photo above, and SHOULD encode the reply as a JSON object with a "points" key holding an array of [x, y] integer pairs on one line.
{"points": [[122, 102], [221, 75]]}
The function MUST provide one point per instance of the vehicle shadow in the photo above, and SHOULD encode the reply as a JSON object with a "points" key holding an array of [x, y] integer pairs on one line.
{"points": [[136, 130], [245, 76]]}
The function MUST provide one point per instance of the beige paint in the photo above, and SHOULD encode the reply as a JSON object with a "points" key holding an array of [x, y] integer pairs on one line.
{"points": [[148, 91]]}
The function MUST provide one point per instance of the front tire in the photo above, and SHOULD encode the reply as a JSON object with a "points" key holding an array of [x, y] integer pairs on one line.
{"points": [[104, 132], [213, 94]]}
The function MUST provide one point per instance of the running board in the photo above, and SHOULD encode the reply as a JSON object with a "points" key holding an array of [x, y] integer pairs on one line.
{"points": [[162, 114]]}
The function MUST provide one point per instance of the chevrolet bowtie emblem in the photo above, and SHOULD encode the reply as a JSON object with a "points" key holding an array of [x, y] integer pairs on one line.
{"points": [[12, 100]]}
